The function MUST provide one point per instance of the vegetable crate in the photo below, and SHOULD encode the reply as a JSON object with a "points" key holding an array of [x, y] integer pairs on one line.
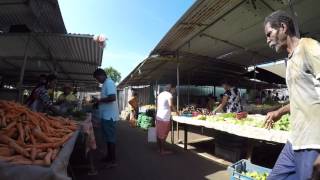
{"points": [[237, 169]]}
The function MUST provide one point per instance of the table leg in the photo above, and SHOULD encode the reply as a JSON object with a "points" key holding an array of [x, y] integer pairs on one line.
{"points": [[172, 132], [250, 146], [185, 136], [178, 134]]}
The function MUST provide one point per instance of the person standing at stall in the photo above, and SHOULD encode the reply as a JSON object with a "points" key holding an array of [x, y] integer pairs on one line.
{"points": [[39, 100], [67, 100], [163, 118], [297, 158], [230, 100], [134, 108], [42, 81], [109, 114]]}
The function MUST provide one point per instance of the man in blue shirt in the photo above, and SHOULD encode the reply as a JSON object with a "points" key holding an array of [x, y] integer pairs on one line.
{"points": [[109, 113]]}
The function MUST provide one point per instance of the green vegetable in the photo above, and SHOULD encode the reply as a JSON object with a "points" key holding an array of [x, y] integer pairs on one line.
{"points": [[283, 124], [256, 175]]}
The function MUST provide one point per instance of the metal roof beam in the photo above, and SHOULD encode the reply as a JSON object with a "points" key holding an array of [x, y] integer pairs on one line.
{"points": [[211, 24], [234, 45], [267, 5], [19, 58], [44, 72], [16, 68]]}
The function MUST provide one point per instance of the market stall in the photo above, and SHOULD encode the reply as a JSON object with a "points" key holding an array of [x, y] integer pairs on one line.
{"points": [[249, 130], [34, 144]]}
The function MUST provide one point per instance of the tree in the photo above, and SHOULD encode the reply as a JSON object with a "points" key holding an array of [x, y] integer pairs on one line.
{"points": [[113, 74]]}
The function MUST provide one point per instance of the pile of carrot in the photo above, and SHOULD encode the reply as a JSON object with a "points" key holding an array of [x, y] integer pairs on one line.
{"points": [[28, 137]]}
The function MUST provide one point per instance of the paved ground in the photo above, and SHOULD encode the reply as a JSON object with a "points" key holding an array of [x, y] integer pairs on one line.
{"points": [[138, 160]]}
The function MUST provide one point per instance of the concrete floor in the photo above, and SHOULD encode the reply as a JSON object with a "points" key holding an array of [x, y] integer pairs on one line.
{"points": [[139, 160]]}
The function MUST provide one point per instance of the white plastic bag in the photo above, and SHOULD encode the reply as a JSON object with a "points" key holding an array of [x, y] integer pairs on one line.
{"points": [[152, 135]]}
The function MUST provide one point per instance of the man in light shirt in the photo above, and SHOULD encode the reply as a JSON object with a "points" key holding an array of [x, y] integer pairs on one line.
{"points": [[302, 76], [109, 114], [163, 117]]}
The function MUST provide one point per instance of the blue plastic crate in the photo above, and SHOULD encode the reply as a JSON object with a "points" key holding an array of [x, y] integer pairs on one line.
{"points": [[244, 165]]}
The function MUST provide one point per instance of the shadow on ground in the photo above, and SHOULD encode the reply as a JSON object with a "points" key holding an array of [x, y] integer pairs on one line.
{"points": [[139, 160]]}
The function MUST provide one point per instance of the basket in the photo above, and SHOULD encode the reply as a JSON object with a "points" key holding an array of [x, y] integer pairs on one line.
{"points": [[244, 165]]}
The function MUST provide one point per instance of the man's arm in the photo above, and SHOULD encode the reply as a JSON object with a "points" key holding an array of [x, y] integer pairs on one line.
{"points": [[274, 116], [108, 99]]}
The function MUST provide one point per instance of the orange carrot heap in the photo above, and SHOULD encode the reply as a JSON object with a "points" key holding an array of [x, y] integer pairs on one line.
{"points": [[28, 137]]}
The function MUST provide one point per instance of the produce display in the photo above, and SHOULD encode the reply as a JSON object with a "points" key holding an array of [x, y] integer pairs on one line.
{"points": [[282, 124], [31, 138], [144, 121], [193, 111], [256, 175]]}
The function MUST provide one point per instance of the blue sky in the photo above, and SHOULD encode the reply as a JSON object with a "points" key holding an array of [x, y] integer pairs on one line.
{"points": [[133, 28]]}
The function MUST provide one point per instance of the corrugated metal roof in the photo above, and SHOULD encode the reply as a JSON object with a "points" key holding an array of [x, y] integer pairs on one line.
{"points": [[227, 31], [73, 57], [232, 29], [195, 70], [37, 15]]}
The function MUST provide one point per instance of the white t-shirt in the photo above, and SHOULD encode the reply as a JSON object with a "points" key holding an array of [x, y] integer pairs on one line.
{"points": [[163, 108]]}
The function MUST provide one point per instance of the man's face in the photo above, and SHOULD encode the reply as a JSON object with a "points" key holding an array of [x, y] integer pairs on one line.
{"points": [[52, 84], [276, 38], [100, 78]]}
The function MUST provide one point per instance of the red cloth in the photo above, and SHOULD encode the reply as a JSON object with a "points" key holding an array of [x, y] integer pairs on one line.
{"points": [[163, 128]]}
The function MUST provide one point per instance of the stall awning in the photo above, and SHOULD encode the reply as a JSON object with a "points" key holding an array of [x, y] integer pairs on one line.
{"points": [[73, 57], [232, 31], [222, 32], [35, 15]]}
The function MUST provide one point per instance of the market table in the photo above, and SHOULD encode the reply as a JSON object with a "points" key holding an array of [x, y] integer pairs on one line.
{"points": [[245, 131], [57, 170]]}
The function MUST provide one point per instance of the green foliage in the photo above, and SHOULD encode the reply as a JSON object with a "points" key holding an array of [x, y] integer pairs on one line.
{"points": [[113, 74]]}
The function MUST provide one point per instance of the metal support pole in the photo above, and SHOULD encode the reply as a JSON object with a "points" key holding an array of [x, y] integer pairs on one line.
{"points": [[20, 85], [185, 144], [178, 91]]}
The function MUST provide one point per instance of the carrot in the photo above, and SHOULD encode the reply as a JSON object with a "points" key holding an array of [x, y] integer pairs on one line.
{"points": [[47, 158], [55, 153], [12, 124], [11, 132], [65, 138], [41, 136], [18, 149], [27, 132], [6, 158], [32, 139], [39, 162], [33, 154], [5, 139], [21, 132], [5, 151], [41, 155]]}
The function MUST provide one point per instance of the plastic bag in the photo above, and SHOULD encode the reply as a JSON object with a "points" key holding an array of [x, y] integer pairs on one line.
{"points": [[152, 135]]}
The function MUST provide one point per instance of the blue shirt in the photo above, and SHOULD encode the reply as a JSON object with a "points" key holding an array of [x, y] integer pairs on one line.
{"points": [[109, 110]]}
